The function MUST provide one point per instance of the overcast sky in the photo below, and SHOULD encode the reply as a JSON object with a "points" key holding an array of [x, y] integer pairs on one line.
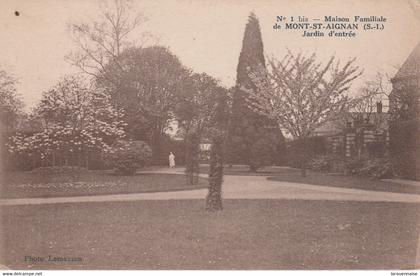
{"points": [[205, 34]]}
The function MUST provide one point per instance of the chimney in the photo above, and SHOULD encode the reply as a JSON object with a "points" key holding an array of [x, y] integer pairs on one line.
{"points": [[379, 107]]}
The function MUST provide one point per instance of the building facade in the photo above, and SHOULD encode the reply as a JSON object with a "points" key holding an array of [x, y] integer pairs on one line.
{"points": [[404, 120]]}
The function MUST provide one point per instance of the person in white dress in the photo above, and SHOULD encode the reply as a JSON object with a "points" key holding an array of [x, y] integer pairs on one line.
{"points": [[171, 160]]}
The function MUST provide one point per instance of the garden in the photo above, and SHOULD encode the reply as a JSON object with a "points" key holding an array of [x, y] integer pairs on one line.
{"points": [[74, 181], [110, 129], [248, 234]]}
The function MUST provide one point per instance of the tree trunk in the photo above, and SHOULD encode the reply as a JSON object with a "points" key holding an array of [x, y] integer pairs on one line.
{"points": [[33, 161], [304, 158], [79, 159], [53, 158], [214, 196], [192, 149], [87, 160], [303, 169]]}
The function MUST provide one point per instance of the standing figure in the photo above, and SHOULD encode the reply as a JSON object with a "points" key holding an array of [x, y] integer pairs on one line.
{"points": [[171, 160]]}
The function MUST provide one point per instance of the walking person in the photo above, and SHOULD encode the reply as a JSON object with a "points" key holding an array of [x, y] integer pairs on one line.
{"points": [[171, 160]]}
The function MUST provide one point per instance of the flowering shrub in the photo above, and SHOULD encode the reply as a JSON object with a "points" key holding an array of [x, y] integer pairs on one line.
{"points": [[370, 167], [127, 156], [377, 168], [360, 166], [77, 120], [321, 163], [354, 165]]}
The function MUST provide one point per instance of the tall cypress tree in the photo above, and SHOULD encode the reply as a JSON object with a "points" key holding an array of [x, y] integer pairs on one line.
{"points": [[248, 129]]}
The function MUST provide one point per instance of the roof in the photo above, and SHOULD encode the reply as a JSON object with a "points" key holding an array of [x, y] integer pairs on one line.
{"points": [[411, 66], [379, 120]]}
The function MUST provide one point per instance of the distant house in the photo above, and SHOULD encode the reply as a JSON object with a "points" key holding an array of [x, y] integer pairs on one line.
{"points": [[357, 133], [377, 120], [405, 110], [407, 83]]}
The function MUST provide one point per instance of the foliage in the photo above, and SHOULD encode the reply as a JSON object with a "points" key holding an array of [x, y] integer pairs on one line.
{"points": [[167, 145], [217, 134], [76, 120], [140, 80], [404, 126], [404, 147], [149, 81], [128, 156], [262, 153], [10, 103], [297, 150], [198, 103], [199, 106], [214, 196], [321, 163], [404, 103], [192, 155], [247, 128], [377, 168], [360, 166], [300, 94], [370, 167]]}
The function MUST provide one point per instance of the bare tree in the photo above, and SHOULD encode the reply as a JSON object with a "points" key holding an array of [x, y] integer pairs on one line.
{"points": [[101, 42], [301, 94], [364, 108], [415, 7], [374, 94], [11, 104]]}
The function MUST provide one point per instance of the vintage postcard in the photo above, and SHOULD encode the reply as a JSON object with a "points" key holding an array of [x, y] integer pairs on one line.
{"points": [[210, 135]]}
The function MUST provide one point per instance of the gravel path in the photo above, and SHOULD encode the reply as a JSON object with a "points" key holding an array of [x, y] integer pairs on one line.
{"points": [[238, 187]]}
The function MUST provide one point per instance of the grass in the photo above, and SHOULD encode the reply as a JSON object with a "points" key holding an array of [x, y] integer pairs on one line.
{"points": [[322, 179], [42, 184], [354, 182], [243, 170], [247, 234]]}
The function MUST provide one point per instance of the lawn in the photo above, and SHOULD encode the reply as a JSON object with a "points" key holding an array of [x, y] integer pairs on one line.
{"points": [[354, 182], [321, 179], [247, 234], [243, 170], [42, 184]]}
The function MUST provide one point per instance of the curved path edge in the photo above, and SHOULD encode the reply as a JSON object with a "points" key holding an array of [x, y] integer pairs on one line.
{"points": [[236, 187]]}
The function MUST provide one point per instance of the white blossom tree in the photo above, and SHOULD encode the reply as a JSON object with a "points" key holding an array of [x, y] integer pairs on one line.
{"points": [[301, 94], [77, 120]]}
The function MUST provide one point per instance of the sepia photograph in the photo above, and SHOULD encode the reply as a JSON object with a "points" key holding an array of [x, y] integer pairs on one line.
{"points": [[210, 135]]}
